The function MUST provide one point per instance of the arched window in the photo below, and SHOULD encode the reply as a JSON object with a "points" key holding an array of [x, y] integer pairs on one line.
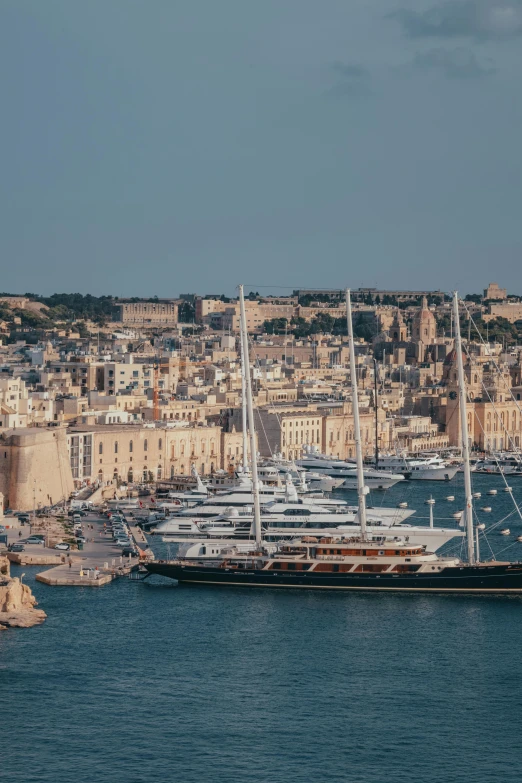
{"points": [[115, 446], [100, 448], [145, 445], [131, 446], [160, 444], [182, 448], [158, 472], [203, 444], [172, 471]]}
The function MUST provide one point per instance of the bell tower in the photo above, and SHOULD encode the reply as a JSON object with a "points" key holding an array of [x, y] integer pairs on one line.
{"points": [[398, 330]]}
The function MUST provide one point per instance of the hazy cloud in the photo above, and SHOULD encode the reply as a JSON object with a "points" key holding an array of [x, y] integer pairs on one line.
{"points": [[478, 19], [350, 79], [457, 63]]}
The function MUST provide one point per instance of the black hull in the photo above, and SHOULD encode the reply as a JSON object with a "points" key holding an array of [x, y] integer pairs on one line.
{"points": [[466, 579]]}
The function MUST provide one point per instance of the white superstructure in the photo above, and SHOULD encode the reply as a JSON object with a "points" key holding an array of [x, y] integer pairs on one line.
{"points": [[417, 468]]}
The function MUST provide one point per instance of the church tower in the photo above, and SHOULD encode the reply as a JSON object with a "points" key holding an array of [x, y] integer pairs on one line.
{"points": [[398, 331], [424, 325]]}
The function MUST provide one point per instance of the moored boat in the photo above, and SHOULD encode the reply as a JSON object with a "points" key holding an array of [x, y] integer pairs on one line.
{"points": [[362, 562]]}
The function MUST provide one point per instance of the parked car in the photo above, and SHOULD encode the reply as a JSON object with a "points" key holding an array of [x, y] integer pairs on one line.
{"points": [[123, 542], [129, 552], [2, 529], [81, 539], [63, 547], [34, 540], [16, 548]]}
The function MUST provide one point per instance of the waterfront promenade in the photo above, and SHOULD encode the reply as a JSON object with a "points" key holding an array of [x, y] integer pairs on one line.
{"points": [[96, 565]]}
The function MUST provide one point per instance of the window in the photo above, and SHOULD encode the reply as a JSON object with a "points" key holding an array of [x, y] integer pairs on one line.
{"points": [[115, 446], [100, 448], [131, 446], [145, 445], [160, 444]]}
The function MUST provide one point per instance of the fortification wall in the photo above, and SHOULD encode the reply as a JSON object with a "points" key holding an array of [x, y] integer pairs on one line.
{"points": [[34, 468]]}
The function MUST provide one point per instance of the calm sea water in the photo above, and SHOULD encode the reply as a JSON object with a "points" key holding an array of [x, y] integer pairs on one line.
{"points": [[151, 682]]}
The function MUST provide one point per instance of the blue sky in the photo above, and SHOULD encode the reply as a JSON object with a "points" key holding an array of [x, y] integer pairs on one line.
{"points": [[166, 146]]}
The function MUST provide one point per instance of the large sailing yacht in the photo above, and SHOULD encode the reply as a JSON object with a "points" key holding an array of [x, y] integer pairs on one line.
{"points": [[364, 562]]}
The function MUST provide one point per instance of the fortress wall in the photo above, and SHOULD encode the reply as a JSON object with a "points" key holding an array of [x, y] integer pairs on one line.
{"points": [[34, 465]]}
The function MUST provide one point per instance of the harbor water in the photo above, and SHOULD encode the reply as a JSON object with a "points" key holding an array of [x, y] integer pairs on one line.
{"points": [[152, 682]]}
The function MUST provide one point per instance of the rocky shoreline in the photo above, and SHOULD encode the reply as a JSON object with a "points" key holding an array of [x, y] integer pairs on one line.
{"points": [[17, 603]]}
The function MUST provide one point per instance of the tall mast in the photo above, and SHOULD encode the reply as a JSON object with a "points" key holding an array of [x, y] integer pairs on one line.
{"points": [[362, 490], [376, 409], [244, 409], [250, 412], [464, 432]]}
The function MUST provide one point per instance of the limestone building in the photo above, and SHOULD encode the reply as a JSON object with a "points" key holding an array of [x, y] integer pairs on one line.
{"points": [[136, 453], [494, 416], [162, 312], [34, 467]]}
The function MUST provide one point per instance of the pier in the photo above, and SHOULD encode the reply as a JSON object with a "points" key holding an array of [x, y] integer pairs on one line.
{"points": [[98, 563]]}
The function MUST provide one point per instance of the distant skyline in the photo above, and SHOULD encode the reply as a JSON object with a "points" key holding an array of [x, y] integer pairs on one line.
{"points": [[165, 146]]}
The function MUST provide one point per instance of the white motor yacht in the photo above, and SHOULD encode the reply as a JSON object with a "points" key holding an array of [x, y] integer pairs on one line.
{"points": [[322, 463], [283, 520], [417, 468]]}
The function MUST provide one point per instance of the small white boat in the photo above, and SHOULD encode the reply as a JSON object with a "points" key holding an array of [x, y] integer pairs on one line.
{"points": [[477, 495], [519, 538], [457, 515], [450, 498], [505, 531], [508, 489], [402, 505], [482, 526], [492, 491], [486, 509], [429, 502]]}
